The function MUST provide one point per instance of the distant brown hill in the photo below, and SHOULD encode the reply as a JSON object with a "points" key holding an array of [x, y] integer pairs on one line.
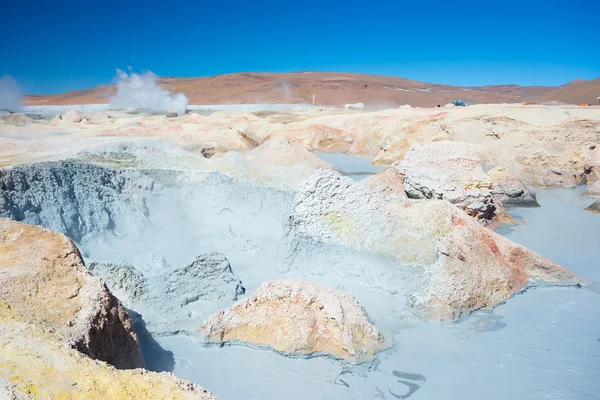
{"points": [[335, 89], [576, 92]]}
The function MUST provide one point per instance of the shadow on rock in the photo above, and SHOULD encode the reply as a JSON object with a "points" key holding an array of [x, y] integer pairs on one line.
{"points": [[155, 357]]}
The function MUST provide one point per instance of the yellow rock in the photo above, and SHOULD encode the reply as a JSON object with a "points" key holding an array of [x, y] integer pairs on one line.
{"points": [[54, 316], [37, 366], [298, 317]]}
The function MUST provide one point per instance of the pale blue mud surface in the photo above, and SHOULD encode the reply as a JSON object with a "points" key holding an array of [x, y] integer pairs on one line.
{"points": [[561, 230], [356, 167], [543, 344]]}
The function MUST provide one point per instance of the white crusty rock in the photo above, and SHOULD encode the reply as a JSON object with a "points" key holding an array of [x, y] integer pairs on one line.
{"points": [[298, 317], [456, 172], [462, 265], [43, 281]]}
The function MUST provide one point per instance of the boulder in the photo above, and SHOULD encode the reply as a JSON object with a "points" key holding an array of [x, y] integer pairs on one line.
{"points": [[461, 265], [456, 172], [44, 282], [297, 317]]}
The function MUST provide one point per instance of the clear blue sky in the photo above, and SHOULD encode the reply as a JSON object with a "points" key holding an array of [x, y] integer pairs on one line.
{"points": [[55, 46]]}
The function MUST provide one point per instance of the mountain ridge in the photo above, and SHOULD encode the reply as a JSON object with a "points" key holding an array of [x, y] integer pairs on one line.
{"points": [[336, 89]]}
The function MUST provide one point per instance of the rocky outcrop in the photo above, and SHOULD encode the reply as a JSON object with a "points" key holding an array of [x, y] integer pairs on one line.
{"points": [[389, 183], [590, 155], [557, 177], [74, 198], [43, 282], [280, 151], [462, 266], [17, 119], [509, 190], [457, 172], [34, 365], [297, 317], [170, 296], [70, 117], [594, 207]]}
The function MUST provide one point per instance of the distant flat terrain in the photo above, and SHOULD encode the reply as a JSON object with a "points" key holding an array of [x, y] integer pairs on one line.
{"points": [[336, 89]]}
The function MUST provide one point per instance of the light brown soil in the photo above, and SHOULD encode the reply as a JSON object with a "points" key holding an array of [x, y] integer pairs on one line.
{"points": [[335, 89]]}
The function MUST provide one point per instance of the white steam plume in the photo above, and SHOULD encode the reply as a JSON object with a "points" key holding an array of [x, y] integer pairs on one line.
{"points": [[142, 91], [10, 94]]}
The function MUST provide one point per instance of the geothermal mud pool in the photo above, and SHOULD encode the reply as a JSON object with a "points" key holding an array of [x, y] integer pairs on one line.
{"points": [[544, 344], [137, 223], [178, 237]]}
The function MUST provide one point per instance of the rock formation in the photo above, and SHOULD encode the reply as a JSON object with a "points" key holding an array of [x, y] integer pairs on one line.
{"points": [[43, 282], [17, 119], [34, 365], [73, 198], [594, 207], [462, 265], [299, 318], [590, 154], [280, 151], [455, 172], [70, 117], [389, 182]]}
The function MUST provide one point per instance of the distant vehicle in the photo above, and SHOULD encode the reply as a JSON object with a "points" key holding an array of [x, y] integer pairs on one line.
{"points": [[460, 103]]}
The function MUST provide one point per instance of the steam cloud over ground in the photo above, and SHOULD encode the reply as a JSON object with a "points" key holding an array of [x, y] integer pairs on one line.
{"points": [[142, 91], [10, 94]]}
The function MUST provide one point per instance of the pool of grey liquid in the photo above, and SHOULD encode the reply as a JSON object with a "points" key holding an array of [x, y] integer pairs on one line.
{"points": [[353, 166], [542, 344]]}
